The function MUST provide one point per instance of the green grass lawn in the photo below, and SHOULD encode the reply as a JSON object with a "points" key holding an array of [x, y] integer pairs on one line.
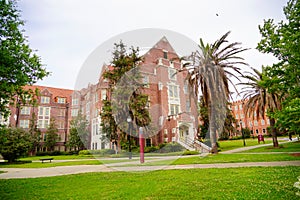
{"points": [[234, 183], [223, 158], [233, 144], [286, 147], [235, 158], [60, 157], [52, 164], [226, 145]]}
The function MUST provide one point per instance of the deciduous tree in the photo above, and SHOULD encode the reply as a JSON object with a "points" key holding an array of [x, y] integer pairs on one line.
{"points": [[19, 65]]}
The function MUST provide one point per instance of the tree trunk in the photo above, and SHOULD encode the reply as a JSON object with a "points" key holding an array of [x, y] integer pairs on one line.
{"points": [[274, 132]]}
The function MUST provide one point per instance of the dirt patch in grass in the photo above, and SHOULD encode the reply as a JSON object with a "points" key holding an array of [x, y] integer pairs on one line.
{"points": [[295, 154]]}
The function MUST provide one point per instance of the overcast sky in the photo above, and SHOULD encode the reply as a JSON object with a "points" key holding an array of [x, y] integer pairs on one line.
{"points": [[66, 32]]}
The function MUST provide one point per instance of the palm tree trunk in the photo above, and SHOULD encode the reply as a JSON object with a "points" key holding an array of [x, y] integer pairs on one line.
{"points": [[274, 132], [212, 129]]}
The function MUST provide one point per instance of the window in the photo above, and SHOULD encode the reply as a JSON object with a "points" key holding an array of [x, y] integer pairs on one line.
{"points": [[60, 124], [24, 123], [103, 94], [61, 100], [172, 74], [268, 121], [174, 109], [96, 97], [188, 106], [256, 131], [95, 127], [264, 131], [61, 112], [242, 116], [74, 112], [43, 117], [45, 137], [250, 123], [262, 122], [45, 99], [236, 107], [185, 88], [241, 107], [255, 123], [74, 101], [236, 116], [165, 54], [146, 81], [173, 92], [87, 108], [25, 110]]}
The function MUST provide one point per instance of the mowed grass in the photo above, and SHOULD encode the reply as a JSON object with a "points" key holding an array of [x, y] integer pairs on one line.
{"points": [[52, 164], [233, 144], [233, 183], [286, 147], [235, 158]]}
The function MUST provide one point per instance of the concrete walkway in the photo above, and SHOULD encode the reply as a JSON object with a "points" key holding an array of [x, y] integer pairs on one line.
{"points": [[13, 173]]}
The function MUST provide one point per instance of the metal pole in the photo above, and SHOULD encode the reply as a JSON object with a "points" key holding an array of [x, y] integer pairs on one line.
{"points": [[242, 132], [142, 145]]}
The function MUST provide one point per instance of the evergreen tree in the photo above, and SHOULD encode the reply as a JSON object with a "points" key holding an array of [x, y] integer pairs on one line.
{"points": [[51, 136], [79, 133]]}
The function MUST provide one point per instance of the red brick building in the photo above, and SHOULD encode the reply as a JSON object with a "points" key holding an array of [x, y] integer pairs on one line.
{"points": [[257, 125], [51, 103]]}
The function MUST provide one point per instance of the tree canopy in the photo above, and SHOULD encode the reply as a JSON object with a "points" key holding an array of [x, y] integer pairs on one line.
{"points": [[19, 65], [282, 40]]}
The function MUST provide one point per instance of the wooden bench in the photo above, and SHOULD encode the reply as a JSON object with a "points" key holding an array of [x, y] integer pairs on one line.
{"points": [[43, 159]]}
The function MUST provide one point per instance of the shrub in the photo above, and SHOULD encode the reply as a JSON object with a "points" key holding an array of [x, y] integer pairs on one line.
{"points": [[171, 147], [150, 149], [84, 152], [14, 143], [188, 152]]}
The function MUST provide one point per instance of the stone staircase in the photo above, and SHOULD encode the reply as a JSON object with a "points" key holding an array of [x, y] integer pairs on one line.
{"points": [[194, 145]]}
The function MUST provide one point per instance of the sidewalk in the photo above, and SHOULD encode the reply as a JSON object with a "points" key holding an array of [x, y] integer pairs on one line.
{"points": [[13, 173]]}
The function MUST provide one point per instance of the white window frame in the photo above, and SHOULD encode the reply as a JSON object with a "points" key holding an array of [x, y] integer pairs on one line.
{"points": [[61, 100], [74, 112], [45, 99], [25, 110], [44, 116], [172, 74], [24, 123], [75, 101]]}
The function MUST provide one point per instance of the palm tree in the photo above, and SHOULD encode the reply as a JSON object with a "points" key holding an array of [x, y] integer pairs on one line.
{"points": [[209, 73], [258, 99]]}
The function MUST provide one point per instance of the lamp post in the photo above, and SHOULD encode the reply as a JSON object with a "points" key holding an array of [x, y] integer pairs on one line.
{"points": [[241, 123], [129, 120]]}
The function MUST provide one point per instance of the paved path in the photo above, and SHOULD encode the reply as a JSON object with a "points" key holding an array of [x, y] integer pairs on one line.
{"points": [[13, 173]]}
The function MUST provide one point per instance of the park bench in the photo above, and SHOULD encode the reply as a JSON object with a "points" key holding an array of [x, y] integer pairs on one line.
{"points": [[43, 159]]}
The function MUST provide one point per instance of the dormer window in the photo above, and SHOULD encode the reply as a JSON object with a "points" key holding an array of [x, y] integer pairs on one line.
{"points": [[45, 99], [61, 100]]}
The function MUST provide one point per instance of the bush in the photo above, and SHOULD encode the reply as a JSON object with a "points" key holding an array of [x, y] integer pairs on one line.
{"points": [[150, 149], [84, 152], [14, 143], [171, 147], [188, 152]]}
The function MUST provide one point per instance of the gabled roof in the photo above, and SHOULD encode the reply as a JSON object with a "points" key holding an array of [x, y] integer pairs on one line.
{"points": [[56, 92], [163, 43]]}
